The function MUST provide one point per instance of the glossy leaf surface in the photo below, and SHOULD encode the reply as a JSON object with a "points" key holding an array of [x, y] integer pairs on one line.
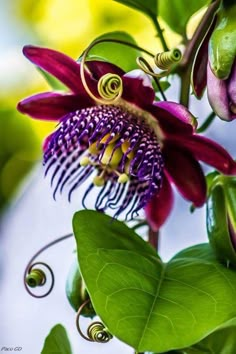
{"points": [[111, 52], [177, 13], [148, 7], [150, 305], [57, 341]]}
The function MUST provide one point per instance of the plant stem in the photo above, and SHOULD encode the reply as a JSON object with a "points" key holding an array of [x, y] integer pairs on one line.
{"points": [[185, 86], [206, 123], [153, 238], [160, 33], [186, 64]]}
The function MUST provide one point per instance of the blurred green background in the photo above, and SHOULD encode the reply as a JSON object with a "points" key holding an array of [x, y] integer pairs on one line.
{"points": [[66, 26]]}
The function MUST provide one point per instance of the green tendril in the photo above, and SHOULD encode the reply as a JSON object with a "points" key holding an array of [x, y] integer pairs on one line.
{"points": [[110, 87], [98, 333], [145, 66], [35, 278], [166, 60]]}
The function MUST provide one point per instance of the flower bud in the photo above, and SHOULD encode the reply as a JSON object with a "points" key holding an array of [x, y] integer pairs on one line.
{"points": [[222, 45], [76, 292], [221, 218]]}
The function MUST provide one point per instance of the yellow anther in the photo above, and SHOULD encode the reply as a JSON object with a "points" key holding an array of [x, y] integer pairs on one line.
{"points": [[107, 136], [85, 161], [98, 181], [123, 178], [124, 147], [127, 166], [93, 149], [116, 156]]}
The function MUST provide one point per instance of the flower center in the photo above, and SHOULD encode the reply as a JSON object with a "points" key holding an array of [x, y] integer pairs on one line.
{"points": [[115, 145], [110, 158]]}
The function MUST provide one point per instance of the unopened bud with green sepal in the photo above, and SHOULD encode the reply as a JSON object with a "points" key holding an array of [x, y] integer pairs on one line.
{"points": [[222, 45], [76, 292], [221, 218]]}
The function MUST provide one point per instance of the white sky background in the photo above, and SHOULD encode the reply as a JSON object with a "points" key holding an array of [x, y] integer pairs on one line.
{"points": [[36, 219]]}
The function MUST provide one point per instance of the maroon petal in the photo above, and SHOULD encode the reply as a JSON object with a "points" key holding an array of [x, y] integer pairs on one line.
{"points": [[186, 173], [218, 96], [159, 207], [168, 123], [138, 88], [209, 152], [52, 106], [199, 73], [57, 64], [100, 68], [179, 111]]}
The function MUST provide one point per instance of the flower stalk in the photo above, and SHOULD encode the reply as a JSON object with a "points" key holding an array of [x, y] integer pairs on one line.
{"points": [[160, 33], [153, 238]]}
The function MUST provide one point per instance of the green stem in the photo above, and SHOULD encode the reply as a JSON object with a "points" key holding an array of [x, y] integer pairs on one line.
{"points": [[185, 87], [207, 122], [185, 67], [160, 33]]}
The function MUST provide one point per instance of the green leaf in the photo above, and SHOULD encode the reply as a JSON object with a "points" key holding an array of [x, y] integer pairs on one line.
{"points": [[222, 341], [148, 7], [52, 81], [112, 234], [147, 304], [176, 13], [217, 221], [116, 53], [57, 341]]}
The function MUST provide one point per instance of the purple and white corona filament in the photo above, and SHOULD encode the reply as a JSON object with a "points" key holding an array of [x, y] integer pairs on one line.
{"points": [[113, 133], [113, 145]]}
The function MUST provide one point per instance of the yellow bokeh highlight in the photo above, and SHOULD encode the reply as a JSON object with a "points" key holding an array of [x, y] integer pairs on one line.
{"points": [[71, 26]]}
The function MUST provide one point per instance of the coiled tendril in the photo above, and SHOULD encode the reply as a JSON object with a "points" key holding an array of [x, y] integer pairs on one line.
{"points": [[35, 277], [146, 67], [166, 60], [110, 87], [96, 331]]}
